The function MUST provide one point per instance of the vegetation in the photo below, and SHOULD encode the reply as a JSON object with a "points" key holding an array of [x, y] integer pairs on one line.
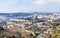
{"points": [[54, 31]]}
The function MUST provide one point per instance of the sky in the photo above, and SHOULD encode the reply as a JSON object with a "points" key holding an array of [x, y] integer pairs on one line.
{"points": [[11, 6]]}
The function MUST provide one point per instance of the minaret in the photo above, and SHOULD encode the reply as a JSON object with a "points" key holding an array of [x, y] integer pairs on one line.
{"points": [[33, 22]]}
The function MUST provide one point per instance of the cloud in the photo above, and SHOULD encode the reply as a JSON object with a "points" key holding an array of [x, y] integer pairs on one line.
{"points": [[17, 8], [58, 1], [39, 2], [28, 5], [45, 1]]}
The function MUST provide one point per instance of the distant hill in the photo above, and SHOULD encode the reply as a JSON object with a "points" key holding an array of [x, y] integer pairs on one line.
{"points": [[15, 14], [20, 14]]}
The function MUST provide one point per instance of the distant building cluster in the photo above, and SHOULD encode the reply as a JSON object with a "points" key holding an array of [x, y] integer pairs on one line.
{"points": [[30, 27]]}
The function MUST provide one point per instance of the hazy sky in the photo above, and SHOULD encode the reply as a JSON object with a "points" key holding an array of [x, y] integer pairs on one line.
{"points": [[29, 5]]}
